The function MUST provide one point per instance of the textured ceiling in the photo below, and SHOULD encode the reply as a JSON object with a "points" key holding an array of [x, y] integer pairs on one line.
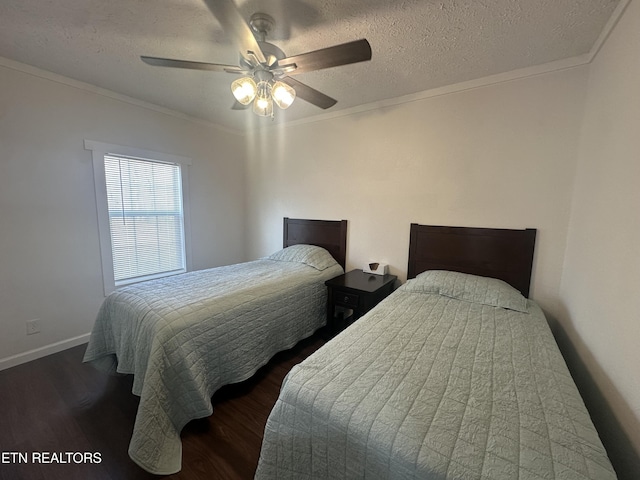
{"points": [[417, 45]]}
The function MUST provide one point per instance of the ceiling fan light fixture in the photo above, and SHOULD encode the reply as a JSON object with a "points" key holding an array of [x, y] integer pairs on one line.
{"points": [[244, 90], [263, 108], [283, 95], [263, 104]]}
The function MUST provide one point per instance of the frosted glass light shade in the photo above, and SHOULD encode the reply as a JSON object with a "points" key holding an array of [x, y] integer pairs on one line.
{"points": [[263, 105], [244, 89], [283, 95]]}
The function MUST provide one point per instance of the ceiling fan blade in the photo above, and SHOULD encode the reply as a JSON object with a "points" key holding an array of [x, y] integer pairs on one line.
{"points": [[214, 67], [343, 54], [308, 94], [235, 26]]}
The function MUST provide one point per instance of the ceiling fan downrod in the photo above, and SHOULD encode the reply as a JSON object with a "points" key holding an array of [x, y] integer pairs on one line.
{"points": [[261, 24]]}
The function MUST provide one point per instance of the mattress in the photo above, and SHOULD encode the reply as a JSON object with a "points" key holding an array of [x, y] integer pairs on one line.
{"points": [[183, 337], [435, 384]]}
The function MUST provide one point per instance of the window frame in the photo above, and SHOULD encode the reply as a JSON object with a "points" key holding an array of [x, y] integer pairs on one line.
{"points": [[98, 152]]}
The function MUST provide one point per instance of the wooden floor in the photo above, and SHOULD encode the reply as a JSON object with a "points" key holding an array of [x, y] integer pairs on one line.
{"points": [[59, 404]]}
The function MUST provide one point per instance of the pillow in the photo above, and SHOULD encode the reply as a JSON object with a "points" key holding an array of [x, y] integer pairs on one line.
{"points": [[471, 288], [312, 255]]}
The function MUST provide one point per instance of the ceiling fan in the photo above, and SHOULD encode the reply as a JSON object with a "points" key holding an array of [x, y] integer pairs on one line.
{"points": [[266, 71]]}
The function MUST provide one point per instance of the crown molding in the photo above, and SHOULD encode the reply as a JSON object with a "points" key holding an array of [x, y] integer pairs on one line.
{"points": [[527, 72], [88, 87], [608, 28]]}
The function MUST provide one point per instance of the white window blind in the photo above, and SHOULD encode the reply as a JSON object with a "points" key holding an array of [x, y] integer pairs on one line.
{"points": [[146, 218]]}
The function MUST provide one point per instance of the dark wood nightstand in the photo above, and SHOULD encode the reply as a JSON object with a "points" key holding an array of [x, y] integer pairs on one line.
{"points": [[357, 291]]}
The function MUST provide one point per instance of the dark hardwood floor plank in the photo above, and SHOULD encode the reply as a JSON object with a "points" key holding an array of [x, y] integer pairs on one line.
{"points": [[59, 404]]}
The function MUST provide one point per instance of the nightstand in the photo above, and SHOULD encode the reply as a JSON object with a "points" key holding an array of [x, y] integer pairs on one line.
{"points": [[356, 291]]}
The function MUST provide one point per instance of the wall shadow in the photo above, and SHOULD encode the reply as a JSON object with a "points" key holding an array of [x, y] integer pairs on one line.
{"points": [[624, 458]]}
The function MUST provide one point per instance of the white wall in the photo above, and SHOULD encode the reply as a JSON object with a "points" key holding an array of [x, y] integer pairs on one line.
{"points": [[601, 281], [496, 156], [49, 253]]}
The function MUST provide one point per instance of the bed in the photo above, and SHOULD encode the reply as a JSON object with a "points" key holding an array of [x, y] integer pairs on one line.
{"points": [[455, 375], [183, 337]]}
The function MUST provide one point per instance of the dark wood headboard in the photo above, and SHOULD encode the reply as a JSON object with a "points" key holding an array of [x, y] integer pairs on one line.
{"points": [[489, 252], [328, 234]]}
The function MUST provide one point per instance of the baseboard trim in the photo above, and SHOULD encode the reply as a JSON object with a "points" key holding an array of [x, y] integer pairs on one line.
{"points": [[34, 354]]}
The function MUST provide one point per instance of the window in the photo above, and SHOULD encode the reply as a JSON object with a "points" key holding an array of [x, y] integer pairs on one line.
{"points": [[141, 213], [144, 199]]}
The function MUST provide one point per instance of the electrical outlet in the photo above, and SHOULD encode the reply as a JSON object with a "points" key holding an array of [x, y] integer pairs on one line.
{"points": [[33, 326]]}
